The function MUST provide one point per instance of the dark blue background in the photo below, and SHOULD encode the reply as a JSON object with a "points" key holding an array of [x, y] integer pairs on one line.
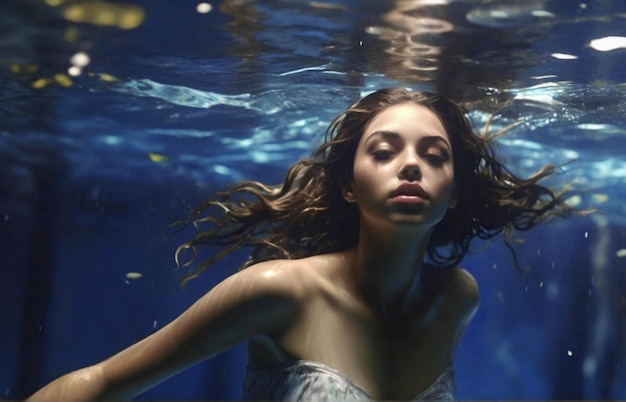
{"points": [[82, 204]]}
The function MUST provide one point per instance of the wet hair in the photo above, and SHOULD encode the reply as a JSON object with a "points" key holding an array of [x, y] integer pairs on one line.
{"points": [[307, 214]]}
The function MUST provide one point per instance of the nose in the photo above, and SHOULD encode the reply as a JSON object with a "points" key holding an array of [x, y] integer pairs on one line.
{"points": [[411, 172]]}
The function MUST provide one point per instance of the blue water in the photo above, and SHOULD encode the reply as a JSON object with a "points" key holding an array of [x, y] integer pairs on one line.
{"points": [[94, 166]]}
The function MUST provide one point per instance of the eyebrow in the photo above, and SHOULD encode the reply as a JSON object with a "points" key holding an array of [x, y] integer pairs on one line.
{"points": [[393, 136]]}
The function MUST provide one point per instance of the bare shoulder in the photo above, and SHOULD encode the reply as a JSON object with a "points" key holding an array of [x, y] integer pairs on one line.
{"points": [[276, 287], [270, 286], [460, 290], [280, 276], [461, 280], [289, 278]]}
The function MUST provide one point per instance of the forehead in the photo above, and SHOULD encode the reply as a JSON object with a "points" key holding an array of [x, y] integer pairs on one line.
{"points": [[407, 118]]}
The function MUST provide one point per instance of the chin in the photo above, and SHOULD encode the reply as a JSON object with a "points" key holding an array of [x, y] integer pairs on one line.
{"points": [[415, 222], [417, 225]]}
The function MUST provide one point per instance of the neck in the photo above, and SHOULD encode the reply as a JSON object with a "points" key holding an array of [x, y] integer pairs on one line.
{"points": [[387, 268]]}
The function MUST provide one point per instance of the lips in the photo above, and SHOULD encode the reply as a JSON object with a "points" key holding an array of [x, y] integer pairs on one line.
{"points": [[409, 189]]}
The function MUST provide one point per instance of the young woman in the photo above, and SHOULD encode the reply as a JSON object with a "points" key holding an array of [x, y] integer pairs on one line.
{"points": [[352, 290]]}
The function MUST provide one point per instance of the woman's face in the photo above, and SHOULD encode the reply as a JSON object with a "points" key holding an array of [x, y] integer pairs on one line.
{"points": [[403, 169]]}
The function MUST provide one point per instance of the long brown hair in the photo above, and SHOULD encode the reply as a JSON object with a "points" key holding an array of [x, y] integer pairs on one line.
{"points": [[307, 214]]}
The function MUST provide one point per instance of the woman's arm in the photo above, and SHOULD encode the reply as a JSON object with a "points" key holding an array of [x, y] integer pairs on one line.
{"points": [[259, 299]]}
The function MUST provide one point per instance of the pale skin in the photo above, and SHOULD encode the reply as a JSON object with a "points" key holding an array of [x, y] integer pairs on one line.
{"points": [[375, 312]]}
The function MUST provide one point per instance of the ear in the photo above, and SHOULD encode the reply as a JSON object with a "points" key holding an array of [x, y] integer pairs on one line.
{"points": [[347, 193], [453, 199]]}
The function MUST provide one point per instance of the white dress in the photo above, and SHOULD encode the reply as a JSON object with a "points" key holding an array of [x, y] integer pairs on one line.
{"points": [[304, 380]]}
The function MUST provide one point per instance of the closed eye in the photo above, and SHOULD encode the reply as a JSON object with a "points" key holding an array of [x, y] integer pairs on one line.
{"points": [[382, 154], [435, 159]]}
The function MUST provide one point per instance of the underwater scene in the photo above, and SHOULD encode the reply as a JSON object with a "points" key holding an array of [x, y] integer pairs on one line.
{"points": [[117, 117]]}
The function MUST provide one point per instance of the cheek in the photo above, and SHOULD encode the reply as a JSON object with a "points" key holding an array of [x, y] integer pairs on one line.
{"points": [[360, 186], [447, 186], [366, 177]]}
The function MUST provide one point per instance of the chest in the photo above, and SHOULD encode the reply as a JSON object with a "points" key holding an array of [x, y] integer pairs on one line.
{"points": [[396, 362]]}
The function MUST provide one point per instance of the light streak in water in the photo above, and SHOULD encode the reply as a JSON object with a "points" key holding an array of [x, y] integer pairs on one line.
{"points": [[608, 43]]}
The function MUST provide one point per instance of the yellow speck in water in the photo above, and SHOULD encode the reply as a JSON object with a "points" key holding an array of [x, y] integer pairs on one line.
{"points": [[101, 13], [131, 20], [53, 3], [600, 197], [63, 80], [156, 158], [133, 275], [104, 77], [23, 68], [107, 77], [621, 253], [71, 34], [573, 201], [40, 83]]}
